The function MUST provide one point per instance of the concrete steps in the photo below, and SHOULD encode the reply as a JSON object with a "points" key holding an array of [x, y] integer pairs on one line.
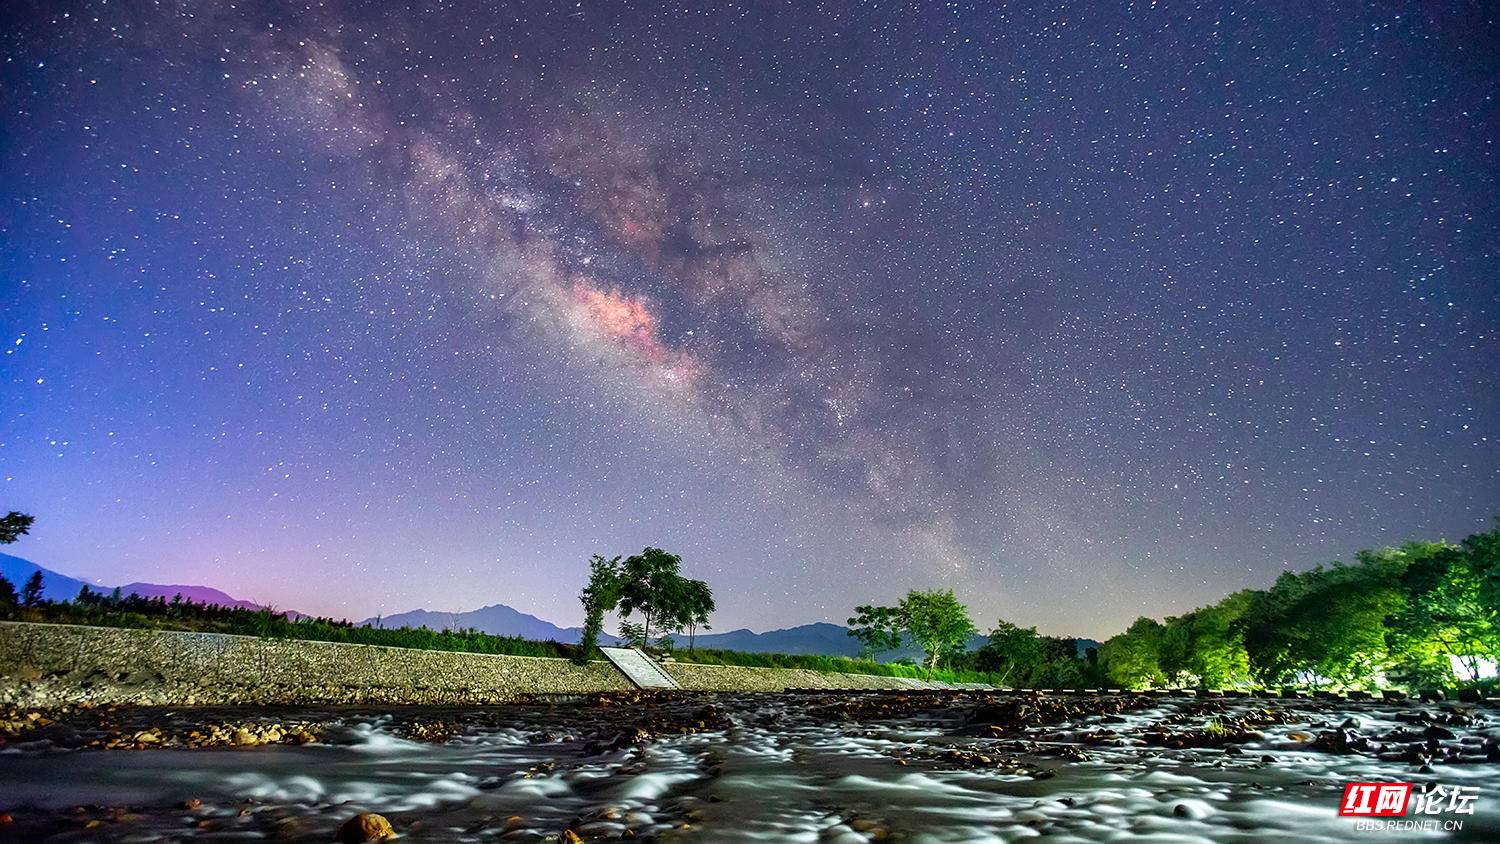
{"points": [[639, 668]]}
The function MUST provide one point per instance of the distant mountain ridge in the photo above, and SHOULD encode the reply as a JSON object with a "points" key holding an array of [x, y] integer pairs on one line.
{"points": [[60, 587], [819, 638], [495, 619], [501, 620], [55, 587]]}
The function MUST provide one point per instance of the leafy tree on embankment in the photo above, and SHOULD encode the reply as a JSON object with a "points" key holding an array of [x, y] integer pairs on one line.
{"points": [[649, 584]]}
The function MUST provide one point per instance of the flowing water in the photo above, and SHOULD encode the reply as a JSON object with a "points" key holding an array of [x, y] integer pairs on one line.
{"points": [[765, 767]]}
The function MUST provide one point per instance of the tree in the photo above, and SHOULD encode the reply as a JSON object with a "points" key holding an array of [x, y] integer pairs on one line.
{"points": [[1174, 650], [31, 593], [1445, 617], [649, 583], [695, 604], [599, 597], [1217, 643], [1206, 647], [1060, 666], [933, 620], [633, 634], [1023, 658], [13, 526], [1133, 658], [1483, 553], [1274, 657], [1014, 653], [937, 623], [1346, 628], [877, 630], [1327, 626]]}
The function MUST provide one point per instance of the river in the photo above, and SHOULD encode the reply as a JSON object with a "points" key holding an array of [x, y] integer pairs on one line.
{"points": [[812, 767]]}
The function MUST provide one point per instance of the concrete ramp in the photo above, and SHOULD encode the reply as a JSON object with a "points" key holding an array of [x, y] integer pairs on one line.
{"points": [[642, 670]]}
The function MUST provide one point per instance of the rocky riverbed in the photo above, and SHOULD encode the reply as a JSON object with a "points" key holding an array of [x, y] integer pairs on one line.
{"points": [[813, 767]]}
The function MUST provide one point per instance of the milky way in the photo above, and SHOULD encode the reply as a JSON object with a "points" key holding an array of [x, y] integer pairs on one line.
{"points": [[1086, 313]]}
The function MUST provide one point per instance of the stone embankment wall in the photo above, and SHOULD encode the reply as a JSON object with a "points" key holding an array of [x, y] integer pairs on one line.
{"points": [[51, 664]]}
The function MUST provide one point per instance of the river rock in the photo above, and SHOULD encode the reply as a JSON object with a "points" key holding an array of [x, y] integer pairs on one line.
{"points": [[366, 826]]}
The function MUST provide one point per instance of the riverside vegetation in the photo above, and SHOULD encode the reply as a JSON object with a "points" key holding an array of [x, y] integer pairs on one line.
{"points": [[1396, 617]]}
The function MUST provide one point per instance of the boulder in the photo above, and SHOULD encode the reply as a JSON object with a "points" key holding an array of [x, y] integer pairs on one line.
{"points": [[366, 826]]}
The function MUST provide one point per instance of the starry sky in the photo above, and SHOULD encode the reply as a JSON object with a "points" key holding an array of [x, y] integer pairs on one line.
{"points": [[1086, 311]]}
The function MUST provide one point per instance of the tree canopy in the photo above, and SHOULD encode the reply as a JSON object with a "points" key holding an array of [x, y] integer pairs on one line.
{"points": [[933, 620], [649, 584], [1022, 658], [13, 526], [1396, 615]]}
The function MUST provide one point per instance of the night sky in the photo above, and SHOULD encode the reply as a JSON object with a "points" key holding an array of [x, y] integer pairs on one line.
{"points": [[1086, 312]]}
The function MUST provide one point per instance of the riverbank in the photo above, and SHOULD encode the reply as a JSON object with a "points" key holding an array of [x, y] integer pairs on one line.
{"points": [[63, 664]]}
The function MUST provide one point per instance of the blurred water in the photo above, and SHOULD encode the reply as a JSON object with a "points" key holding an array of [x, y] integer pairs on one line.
{"points": [[770, 771]]}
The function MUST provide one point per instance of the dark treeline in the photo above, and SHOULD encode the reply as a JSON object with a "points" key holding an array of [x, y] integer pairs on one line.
{"points": [[1395, 617]]}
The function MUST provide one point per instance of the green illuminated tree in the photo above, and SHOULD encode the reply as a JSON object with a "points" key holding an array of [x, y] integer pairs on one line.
{"points": [[877, 630], [1206, 647], [1327, 626], [649, 584], [1133, 658], [599, 597], [933, 620], [1483, 553], [1015, 654], [937, 623], [1445, 616]]}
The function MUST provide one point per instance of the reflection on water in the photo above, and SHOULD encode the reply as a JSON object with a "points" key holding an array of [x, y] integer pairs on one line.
{"points": [[814, 768]]}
